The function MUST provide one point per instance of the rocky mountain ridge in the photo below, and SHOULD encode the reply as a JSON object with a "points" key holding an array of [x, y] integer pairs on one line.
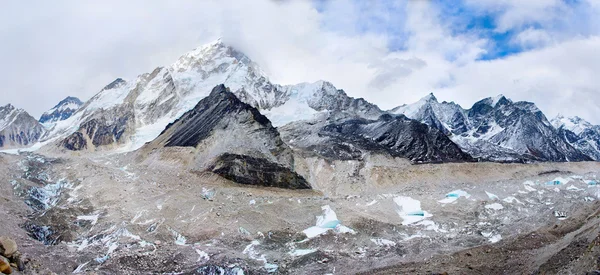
{"points": [[580, 134], [234, 140], [125, 115], [496, 129], [63, 110], [18, 128]]}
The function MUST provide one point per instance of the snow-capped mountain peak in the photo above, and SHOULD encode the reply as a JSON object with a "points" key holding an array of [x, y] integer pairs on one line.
{"points": [[580, 134], [63, 110], [18, 128], [430, 97], [131, 113], [499, 99], [574, 124], [447, 117]]}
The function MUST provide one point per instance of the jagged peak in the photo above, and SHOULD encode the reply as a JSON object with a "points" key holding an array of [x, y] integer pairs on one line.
{"points": [[570, 123], [8, 106], [499, 99], [115, 84], [217, 51], [559, 116], [429, 98], [69, 99]]}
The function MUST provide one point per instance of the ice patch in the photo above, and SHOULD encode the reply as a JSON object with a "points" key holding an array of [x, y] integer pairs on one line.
{"points": [[179, 239], [560, 215], [591, 183], [80, 268], [493, 238], [454, 195], [301, 252], [208, 194], [494, 206], [491, 196], [327, 221], [529, 188], [431, 226], [511, 200], [372, 203], [253, 254], [573, 188], [91, 218], [409, 210], [203, 256], [383, 242], [558, 181]]}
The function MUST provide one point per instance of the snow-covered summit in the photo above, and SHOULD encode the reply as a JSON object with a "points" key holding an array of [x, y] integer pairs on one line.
{"points": [[574, 124], [447, 117], [18, 128], [580, 134], [63, 110]]}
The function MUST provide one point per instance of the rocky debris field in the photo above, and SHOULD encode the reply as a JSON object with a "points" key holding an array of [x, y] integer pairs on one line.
{"points": [[104, 215]]}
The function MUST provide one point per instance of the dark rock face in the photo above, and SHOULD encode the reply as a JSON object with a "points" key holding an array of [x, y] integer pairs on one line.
{"points": [[63, 110], [116, 83], [198, 123], [235, 141], [75, 142], [256, 171], [102, 130], [397, 136]]}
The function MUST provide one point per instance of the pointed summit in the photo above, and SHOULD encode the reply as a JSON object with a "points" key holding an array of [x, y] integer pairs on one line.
{"points": [[499, 100], [63, 110], [430, 97]]}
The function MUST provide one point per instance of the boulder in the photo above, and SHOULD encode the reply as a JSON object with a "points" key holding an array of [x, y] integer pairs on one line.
{"points": [[5, 266], [7, 246]]}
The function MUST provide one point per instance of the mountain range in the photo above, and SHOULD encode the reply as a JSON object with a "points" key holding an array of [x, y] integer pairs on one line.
{"points": [[496, 129], [311, 119]]}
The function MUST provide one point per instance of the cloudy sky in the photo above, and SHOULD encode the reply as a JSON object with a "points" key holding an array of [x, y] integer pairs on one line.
{"points": [[389, 52]]}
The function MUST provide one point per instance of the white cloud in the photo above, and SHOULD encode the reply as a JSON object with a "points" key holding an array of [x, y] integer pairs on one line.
{"points": [[532, 38]]}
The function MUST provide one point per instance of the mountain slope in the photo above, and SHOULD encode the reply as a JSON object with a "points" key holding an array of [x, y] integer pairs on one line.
{"points": [[496, 129], [580, 134], [449, 118], [155, 99], [350, 138], [18, 128], [63, 110], [234, 140]]}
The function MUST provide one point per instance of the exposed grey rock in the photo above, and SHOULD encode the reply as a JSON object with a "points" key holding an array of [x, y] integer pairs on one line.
{"points": [[75, 142], [8, 246], [350, 138], [18, 128], [103, 129], [256, 171], [234, 140]]}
